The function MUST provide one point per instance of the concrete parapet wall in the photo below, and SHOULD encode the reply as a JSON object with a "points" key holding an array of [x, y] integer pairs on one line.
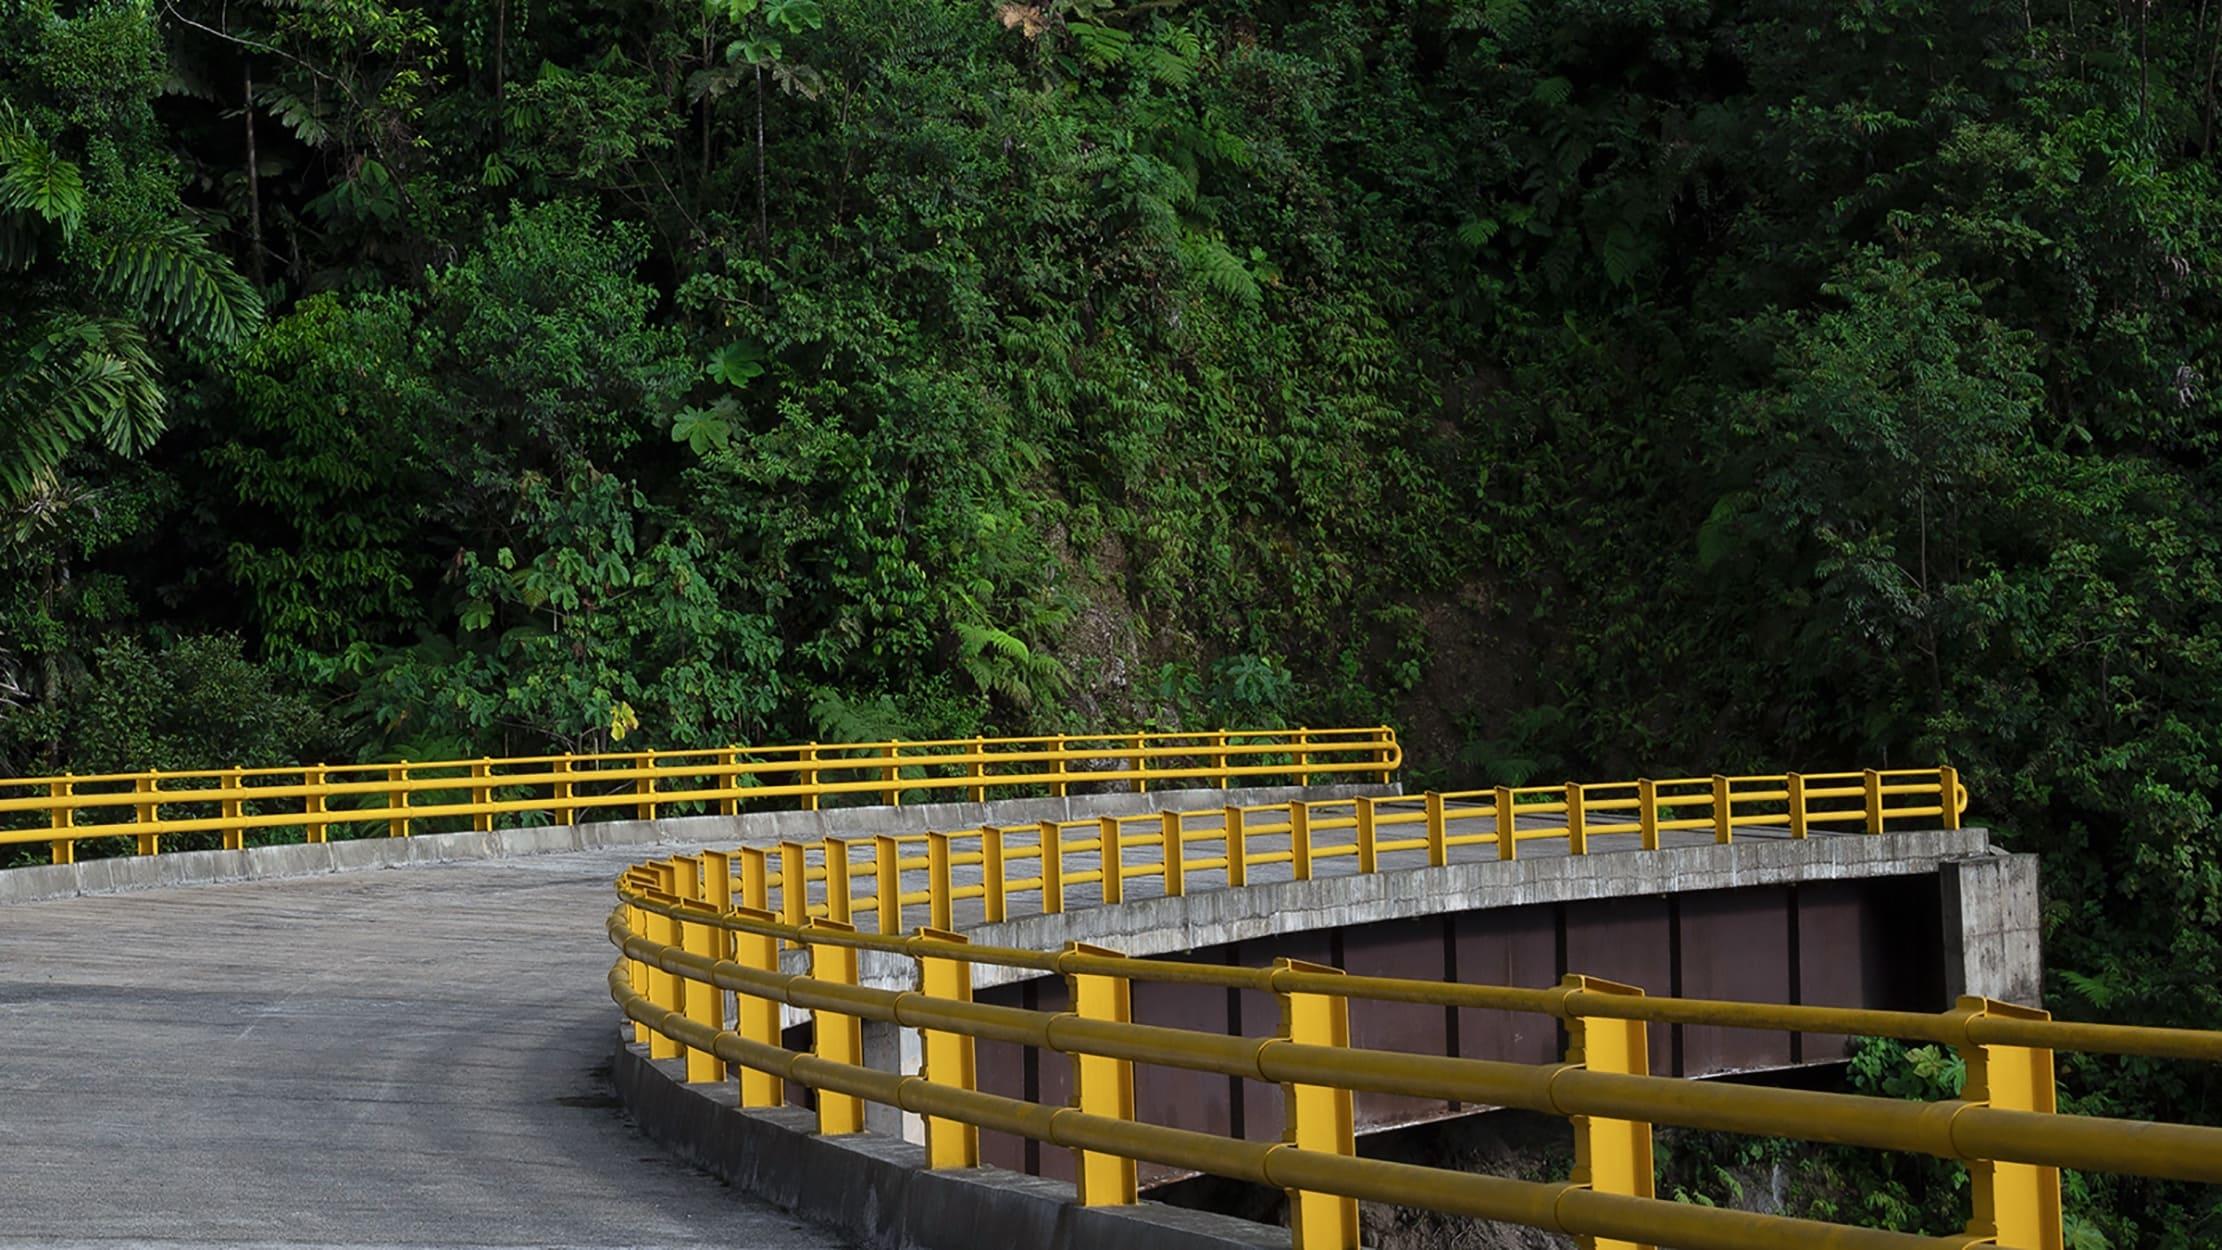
{"points": [[140, 872]]}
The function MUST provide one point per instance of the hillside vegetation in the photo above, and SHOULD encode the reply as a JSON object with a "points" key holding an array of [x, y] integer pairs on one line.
{"points": [[1588, 389]]}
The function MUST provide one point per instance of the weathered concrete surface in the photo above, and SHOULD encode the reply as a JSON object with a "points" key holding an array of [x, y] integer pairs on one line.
{"points": [[877, 1190], [262, 863], [1993, 928], [392, 1059]]}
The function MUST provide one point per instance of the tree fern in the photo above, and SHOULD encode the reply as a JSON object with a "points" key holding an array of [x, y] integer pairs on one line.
{"points": [[167, 269], [77, 378]]}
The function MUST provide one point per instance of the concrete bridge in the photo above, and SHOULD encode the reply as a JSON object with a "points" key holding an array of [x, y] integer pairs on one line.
{"points": [[401, 1042]]}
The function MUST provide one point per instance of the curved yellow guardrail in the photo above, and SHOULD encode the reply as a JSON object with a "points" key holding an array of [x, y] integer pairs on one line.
{"points": [[690, 960], [305, 802]]}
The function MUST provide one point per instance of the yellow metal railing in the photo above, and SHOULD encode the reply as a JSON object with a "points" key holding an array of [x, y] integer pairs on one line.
{"points": [[304, 803], [701, 946]]}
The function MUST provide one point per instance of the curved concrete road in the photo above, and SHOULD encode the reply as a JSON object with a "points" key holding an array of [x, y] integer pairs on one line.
{"points": [[391, 1058]]}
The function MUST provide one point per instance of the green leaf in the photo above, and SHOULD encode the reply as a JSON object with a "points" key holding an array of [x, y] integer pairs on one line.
{"points": [[736, 364], [702, 431]]}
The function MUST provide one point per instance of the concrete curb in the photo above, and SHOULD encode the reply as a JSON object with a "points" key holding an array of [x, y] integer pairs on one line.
{"points": [[301, 859], [878, 1191]]}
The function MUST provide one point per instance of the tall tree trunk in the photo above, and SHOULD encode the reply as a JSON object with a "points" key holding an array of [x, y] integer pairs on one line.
{"points": [[254, 175], [763, 212]]}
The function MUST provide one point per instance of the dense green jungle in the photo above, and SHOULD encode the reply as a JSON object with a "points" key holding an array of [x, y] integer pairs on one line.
{"points": [[1588, 389]]}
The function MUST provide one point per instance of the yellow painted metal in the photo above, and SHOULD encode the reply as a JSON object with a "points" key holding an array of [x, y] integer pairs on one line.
{"points": [[1300, 839], [1948, 795], [1795, 785], [940, 906], [1176, 865], [1369, 853], [887, 883], [1058, 786], [1508, 825], [150, 811], [645, 786], [838, 903], [809, 778], [397, 801], [729, 776], [1102, 1086], [1319, 1116], [1107, 849], [1724, 810], [1611, 1156], [1647, 813], [756, 1018], [755, 878], [794, 883], [839, 1037], [1220, 776], [947, 1056], [234, 834], [1136, 764], [663, 987], [1872, 782], [2012, 1204], [1438, 831], [565, 813], [717, 883], [994, 883], [1303, 756], [1577, 821], [703, 1002], [893, 794], [62, 816], [481, 794], [1053, 867], [1238, 847], [976, 768], [312, 806]]}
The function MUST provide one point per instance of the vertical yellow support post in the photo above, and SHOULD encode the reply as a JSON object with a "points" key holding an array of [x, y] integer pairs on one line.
{"points": [[1114, 873], [1319, 1116], [838, 1038], [663, 987], [1724, 811], [894, 792], [756, 891], [396, 799], [1794, 784], [1610, 1156], [887, 882], [703, 1002], [149, 812], [1577, 821], [1053, 867], [977, 769], [940, 905], [1176, 854], [314, 805], [565, 814], [947, 1058], [1303, 756], [756, 1018], [1948, 795], [993, 884], [1140, 764], [1369, 854], [1238, 849], [645, 786], [1102, 1086], [235, 836], [1385, 752], [1059, 786], [638, 920], [1219, 760], [1300, 839], [1647, 813], [1438, 832], [1874, 788], [794, 883], [717, 886], [729, 778], [838, 902], [810, 778], [2014, 1204], [1508, 824], [481, 795], [63, 850]]}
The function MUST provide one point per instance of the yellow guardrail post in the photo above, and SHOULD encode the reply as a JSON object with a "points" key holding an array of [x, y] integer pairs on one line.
{"points": [[1319, 1116], [1219, 760], [1794, 785], [1386, 752], [1114, 874], [756, 1018], [150, 811], [481, 795], [756, 893], [2013, 1204], [794, 883], [940, 906], [1300, 839], [1724, 811], [701, 1001], [993, 884], [1238, 848], [729, 778], [1175, 852], [810, 778], [1438, 832], [645, 785], [396, 800], [887, 882], [1873, 784], [1577, 821], [1948, 795], [894, 791], [977, 769], [839, 904], [1508, 824], [1059, 786], [1101, 1085], [565, 814], [1369, 847], [837, 1037], [1053, 867], [1647, 813], [1610, 1156], [1303, 756], [637, 920], [235, 836], [717, 887], [1139, 764], [947, 1058], [663, 987], [63, 850], [314, 806]]}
